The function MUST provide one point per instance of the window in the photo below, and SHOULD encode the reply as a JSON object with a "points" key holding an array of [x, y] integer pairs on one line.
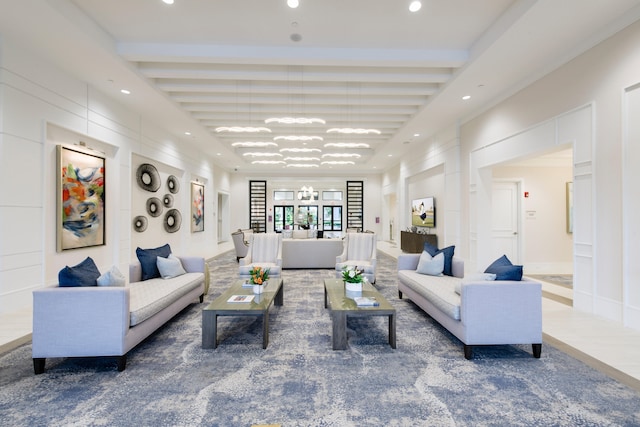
{"points": [[282, 195], [332, 195], [332, 218], [283, 218], [307, 216]]}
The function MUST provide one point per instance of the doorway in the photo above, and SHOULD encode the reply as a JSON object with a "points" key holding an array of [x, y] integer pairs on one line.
{"points": [[223, 214], [505, 219]]}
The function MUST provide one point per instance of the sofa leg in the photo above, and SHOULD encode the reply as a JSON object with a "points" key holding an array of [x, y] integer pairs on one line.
{"points": [[122, 362], [38, 365], [201, 298], [537, 349], [399, 294], [468, 352]]}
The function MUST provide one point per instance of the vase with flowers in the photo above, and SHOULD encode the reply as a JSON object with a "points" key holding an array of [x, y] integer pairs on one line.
{"points": [[259, 277], [353, 278]]}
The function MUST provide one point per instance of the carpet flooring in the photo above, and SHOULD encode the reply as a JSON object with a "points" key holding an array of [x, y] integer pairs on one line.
{"points": [[299, 381]]}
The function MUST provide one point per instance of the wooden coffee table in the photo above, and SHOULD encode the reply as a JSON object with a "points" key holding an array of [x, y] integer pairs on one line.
{"points": [[342, 305], [273, 293]]}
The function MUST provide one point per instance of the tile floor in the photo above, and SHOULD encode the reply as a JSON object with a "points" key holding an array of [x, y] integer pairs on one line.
{"points": [[600, 343]]}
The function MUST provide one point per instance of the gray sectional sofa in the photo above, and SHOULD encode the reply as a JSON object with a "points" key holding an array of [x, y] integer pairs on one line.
{"points": [[483, 312], [92, 321]]}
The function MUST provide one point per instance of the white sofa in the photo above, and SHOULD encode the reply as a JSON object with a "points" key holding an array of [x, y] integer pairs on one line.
{"points": [[108, 320], [484, 313], [310, 252]]}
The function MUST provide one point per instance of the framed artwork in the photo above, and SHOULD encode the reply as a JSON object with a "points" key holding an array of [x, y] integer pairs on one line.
{"points": [[569, 191], [80, 199], [197, 207]]}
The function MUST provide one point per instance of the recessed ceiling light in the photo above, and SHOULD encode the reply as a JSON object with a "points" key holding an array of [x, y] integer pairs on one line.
{"points": [[416, 134], [466, 97], [187, 133], [125, 91], [415, 6], [293, 3], [389, 155], [167, 1]]}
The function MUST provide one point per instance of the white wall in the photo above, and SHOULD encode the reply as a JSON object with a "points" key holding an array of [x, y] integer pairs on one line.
{"points": [[596, 78], [40, 107]]}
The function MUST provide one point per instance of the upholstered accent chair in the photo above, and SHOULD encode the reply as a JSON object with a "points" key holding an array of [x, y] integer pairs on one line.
{"points": [[359, 250], [241, 242], [265, 250]]}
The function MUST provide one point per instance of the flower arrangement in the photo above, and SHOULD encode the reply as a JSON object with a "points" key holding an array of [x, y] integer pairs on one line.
{"points": [[352, 274], [259, 275]]}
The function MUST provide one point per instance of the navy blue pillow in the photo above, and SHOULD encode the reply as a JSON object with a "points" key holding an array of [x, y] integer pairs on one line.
{"points": [[503, 261], [504, 269], [448, 256], [84, 274], [508, 272], [148, 260]]}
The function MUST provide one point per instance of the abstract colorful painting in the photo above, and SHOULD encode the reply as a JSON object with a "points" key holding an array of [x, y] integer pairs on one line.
{"points": [[81, 199], [197, 207]]}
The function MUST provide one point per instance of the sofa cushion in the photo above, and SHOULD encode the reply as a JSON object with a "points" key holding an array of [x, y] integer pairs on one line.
{"points": [[170, 267], [148, 260], [478, 277], [152, 296], [112, 277], [432, 266], [505, 270], [448, 256], [439, 290], [84, 274]]}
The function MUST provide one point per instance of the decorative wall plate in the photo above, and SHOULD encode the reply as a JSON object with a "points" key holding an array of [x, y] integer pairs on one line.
{"points": [[167, 201], [173, 184], [172, 220], [148, 177], [140, 223], [154, 207]]}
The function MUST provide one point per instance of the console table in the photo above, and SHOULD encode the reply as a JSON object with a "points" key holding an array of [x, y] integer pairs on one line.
{"points": [[413, 243]]}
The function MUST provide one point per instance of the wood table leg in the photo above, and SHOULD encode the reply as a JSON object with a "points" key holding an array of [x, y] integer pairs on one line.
{"points": [[265, 329], [279, 299], [339, 333], [209, 329], [392, 330]]}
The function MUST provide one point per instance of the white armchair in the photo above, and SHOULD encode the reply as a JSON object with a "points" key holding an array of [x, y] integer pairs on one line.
{"points": [[359, 250], [265, 250], [241, 242]]}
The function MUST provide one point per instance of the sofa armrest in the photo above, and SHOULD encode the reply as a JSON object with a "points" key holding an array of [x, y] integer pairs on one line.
{"points": [[80, 321], [408, 261], [192, 264], [502, 312]]}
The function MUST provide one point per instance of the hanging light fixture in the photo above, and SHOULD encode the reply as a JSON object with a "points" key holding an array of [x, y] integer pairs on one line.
{"points": [[298, 138], [347, 145], [240, 129], [294, 120], [415, 6], [293, 3], [357, 131], [300, 150], [257, 144]]}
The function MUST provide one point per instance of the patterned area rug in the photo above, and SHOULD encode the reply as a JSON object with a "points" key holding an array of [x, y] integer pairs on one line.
{"points": [[565, 280], [299, 381]]}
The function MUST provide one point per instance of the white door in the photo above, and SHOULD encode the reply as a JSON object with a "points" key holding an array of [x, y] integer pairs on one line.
{"points": [[505, 223], [223, 217]]}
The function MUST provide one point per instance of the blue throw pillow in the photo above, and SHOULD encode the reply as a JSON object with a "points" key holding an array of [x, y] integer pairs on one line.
{"points": [[448, 256], [508, 272], [432, 266], [148, 260], [504, 269], [84, 274], [503, 261]]}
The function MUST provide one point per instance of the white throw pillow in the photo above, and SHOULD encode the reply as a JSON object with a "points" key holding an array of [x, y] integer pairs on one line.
{"points": [[113, 277], [170, 267], [478, 277], [432, 266]]}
